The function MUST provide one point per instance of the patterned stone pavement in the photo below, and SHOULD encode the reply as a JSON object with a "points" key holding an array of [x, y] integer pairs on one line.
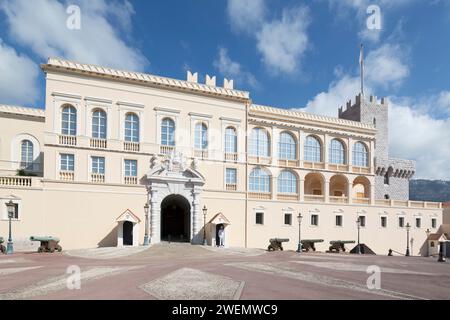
{"points": [[183, 271]]}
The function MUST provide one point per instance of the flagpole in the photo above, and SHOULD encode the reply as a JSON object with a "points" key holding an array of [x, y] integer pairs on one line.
{"points": [[361, 66]]}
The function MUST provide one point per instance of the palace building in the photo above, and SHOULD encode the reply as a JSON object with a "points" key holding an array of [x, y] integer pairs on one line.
{"points": [[117, 155]]}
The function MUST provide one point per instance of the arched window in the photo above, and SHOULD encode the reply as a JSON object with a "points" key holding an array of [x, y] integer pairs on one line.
{"points": [[259, 142], [69, 121], [131, 127], [230, 140], [26, 155], [360, 155], [259, 181], [287, 149], [287, 182], [337, 152], [168, 132], [201, 136], [99, 124], [313, 149]]}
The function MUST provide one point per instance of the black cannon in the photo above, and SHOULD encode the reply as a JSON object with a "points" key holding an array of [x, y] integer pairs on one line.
{"points": [[308, 244], [2, 247], [276, 244], [48, 244], [339, 245]]}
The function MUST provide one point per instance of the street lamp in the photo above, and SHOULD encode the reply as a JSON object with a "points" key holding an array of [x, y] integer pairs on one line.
{"points": [[358, 225], [146, 237], [408, 226], [11, 208], [205, 212], [299, 218], [428, 242]]}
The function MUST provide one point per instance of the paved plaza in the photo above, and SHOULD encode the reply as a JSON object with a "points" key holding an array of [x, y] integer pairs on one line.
{"points": [[183, 271]]}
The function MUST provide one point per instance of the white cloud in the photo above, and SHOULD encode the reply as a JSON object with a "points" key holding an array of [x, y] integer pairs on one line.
{"points": [[18, 77], [415, 130], [283, 42], [246, 15], [419, 136], [233, 70], [41, 25], [386, 66]]}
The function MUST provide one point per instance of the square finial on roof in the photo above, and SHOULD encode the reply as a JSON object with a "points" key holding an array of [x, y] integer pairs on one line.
{"points": [[192, 77], [228, 84], [210, 81]]}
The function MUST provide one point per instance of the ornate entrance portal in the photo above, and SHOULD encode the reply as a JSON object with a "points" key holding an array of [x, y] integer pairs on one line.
{"points": [[175, 219], [174, 192]]}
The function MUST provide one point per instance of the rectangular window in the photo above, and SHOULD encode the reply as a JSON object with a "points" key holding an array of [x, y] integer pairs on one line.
{"points": [[338, 221], [418, 223], [98, 165], [130, 168], [231, 176], [288, 219], [433, 223], [67, 162], [362, 220], [259, 219], [314, 220], [383, 222], [401, 222]]}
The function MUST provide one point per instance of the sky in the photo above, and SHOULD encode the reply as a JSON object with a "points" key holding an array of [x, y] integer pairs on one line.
{"points": [[292, 54]]}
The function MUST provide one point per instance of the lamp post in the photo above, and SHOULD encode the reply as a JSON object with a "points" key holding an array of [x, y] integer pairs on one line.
{"points": [[408, 226], [428, 242], [11, 208], [299, 218], [205, 212], [146, 236], [358, 226]]}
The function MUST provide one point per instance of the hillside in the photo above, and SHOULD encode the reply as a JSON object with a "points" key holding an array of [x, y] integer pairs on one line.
{"points": [[429, 190]]}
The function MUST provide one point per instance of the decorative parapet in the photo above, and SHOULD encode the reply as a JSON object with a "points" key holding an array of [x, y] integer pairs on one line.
{"points": [[400, 168], [23, 111], [360, 99], [57, 64], [256, 110]]}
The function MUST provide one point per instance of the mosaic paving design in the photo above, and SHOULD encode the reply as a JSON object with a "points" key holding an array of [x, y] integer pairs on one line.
{"points": [[193, 284]]}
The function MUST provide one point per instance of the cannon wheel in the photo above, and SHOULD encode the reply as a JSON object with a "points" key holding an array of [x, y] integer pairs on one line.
{"points": [[52, 250], [40, 249], [59, 248], [270, 248]]}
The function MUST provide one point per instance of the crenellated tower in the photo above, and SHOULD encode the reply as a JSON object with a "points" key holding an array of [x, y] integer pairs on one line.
{"points": [[392, 175]]}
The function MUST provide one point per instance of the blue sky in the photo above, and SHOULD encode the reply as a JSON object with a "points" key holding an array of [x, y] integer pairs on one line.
{"points": [[289, 54]]}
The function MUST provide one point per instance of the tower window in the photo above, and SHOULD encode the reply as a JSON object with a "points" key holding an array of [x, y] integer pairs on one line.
{"points": [[386, 178]]}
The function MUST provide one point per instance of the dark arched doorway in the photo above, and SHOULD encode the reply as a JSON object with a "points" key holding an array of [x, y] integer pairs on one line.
{"points": [[175, 219], [127, 233]]}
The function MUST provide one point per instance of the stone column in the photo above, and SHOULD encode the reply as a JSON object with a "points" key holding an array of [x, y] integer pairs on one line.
{"points": [[349, 192], [327, 190], [196, 219], [302, 189], [155, 215]]}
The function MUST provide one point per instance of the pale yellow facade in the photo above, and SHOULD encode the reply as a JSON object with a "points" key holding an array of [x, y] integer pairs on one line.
{"points": [[87, 209]]}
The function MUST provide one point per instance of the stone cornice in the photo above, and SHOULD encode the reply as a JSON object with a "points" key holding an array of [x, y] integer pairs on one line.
{"points": [[23, 111], [289, 116], [66, 66]]}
